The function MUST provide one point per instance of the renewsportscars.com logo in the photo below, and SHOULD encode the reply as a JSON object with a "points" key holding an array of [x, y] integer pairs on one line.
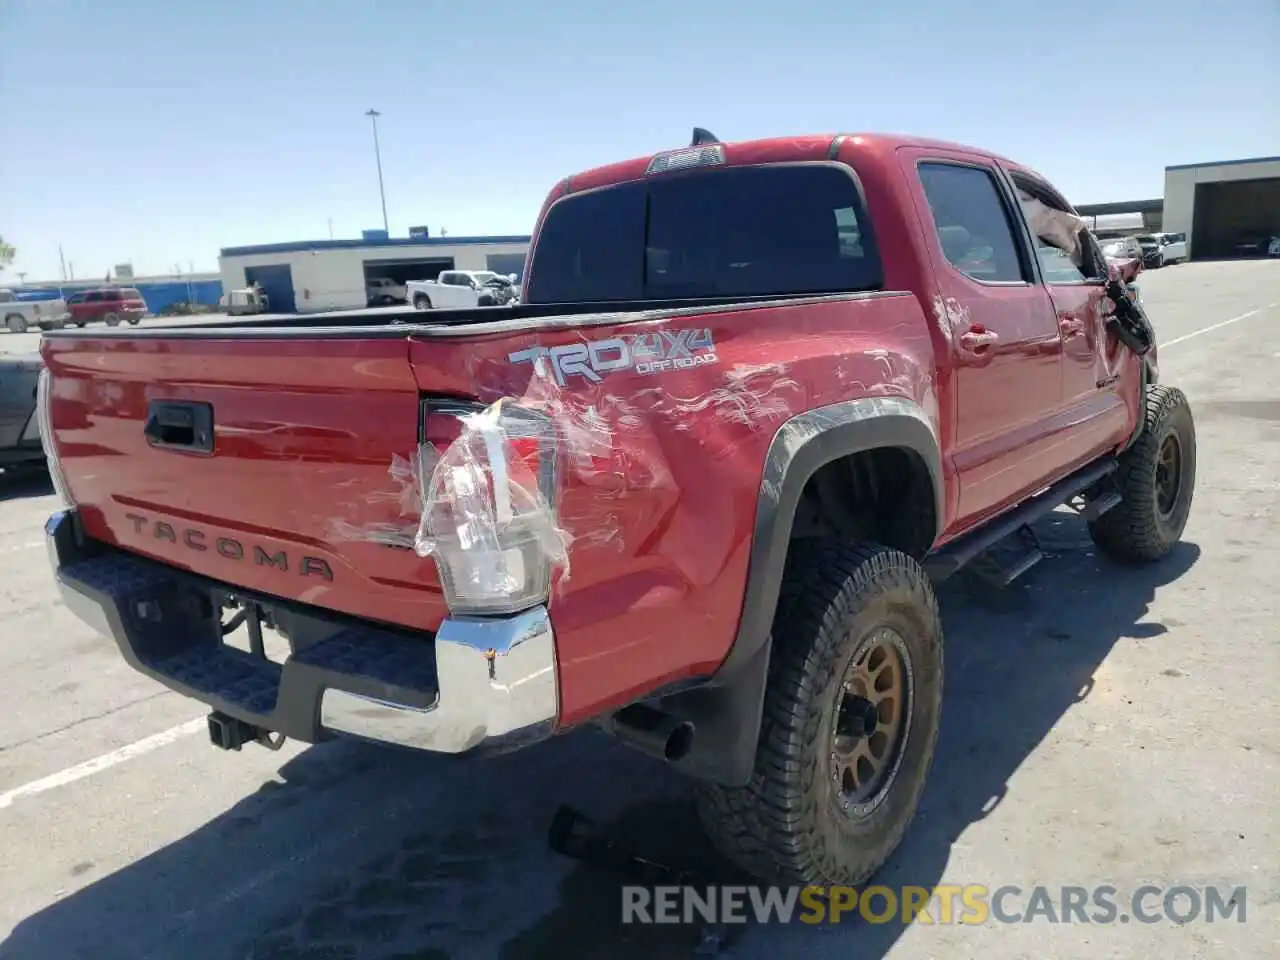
{"points": [[644, 353], [968, 905]]}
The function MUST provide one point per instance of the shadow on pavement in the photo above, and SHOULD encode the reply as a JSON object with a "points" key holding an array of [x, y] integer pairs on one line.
{"points": [[19, 483], [370, 853]]}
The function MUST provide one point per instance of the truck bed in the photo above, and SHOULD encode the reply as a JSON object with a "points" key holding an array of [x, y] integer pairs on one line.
{"points": [[304, 489], [399, 323]]}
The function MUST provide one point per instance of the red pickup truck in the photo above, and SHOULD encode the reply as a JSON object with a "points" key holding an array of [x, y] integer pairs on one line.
{"points": [[695, 488]]}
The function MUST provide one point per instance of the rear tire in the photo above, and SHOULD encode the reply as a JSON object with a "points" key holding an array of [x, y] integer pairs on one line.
{"points": [[111, 319], [802, 819], [16, 323], [421, 301], [1156, 482]]}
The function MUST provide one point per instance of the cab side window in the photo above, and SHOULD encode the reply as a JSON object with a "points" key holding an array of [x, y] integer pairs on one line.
{"points": [[1056, 266]]}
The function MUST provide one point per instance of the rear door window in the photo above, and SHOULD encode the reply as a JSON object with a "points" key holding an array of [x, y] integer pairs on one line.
{"points": [[770, 230], [974, 226]]}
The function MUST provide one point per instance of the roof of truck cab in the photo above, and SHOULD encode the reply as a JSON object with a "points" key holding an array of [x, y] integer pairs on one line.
{"points": [[811, 147]]}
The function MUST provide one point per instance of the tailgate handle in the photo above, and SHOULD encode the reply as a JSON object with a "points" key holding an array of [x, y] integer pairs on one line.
{"points": [[179, 425]]}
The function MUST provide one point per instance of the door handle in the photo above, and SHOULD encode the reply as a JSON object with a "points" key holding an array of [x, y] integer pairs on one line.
{"points": [[977, 339], [179, 425]]}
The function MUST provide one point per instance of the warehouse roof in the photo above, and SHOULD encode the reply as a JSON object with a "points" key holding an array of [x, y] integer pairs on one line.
{"points": [[1223, 163], [304, 246]]}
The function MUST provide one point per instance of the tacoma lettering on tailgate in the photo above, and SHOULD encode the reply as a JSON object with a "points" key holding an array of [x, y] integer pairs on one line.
{"points": [[194, 538]]}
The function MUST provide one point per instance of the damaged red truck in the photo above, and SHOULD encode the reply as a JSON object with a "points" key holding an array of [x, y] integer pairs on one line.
{"points": [[695, 488]]}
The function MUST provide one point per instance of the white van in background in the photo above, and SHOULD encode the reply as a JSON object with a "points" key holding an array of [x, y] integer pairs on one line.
{"points": [[1162, 249]]}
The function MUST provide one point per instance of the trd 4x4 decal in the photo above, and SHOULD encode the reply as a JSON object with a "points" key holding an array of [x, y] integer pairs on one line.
{"points": [[645, 353]]}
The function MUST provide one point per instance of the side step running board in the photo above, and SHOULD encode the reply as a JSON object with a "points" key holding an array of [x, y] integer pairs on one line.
{"points": [[949, 559], [1096, 507], [1011, 558]]}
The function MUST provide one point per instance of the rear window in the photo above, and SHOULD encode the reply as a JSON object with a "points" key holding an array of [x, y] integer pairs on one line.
{"points": [[728, 232], [128, 293]]}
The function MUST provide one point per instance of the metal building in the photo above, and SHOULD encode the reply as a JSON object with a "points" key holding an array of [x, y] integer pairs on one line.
{"points": [[333, 274], [1224, 208]]}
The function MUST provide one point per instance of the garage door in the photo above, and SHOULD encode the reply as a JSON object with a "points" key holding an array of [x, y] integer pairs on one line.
{"points": [[276, 280], [1227, 211], [506, 263], [402, 271]]}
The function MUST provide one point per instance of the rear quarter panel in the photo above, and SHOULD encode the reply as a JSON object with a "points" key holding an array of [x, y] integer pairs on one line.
{"points": [[661, 514]]}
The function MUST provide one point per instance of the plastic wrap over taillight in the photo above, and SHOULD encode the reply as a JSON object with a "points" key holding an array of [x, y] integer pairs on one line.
{"points": [[489, 508], [44, 417]]}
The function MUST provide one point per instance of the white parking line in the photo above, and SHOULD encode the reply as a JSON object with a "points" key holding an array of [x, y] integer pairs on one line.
{"points": [[104, 762], [25, 546], [1218, 326]]}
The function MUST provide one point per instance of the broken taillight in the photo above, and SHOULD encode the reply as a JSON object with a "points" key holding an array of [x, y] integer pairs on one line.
{"points": [[44, 419], [489, 505]]}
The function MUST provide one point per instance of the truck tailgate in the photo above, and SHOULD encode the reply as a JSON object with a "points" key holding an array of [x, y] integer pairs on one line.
{"points": [[304, 431]]}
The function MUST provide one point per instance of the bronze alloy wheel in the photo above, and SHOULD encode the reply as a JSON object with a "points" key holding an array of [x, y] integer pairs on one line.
{"points": [[872, 722], [1168, 475]]}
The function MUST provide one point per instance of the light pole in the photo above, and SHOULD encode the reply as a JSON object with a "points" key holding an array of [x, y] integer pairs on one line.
{"points": [[373, 116]]}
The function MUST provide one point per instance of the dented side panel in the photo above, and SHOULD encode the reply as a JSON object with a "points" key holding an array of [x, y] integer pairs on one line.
{"points": [[665, 427]]}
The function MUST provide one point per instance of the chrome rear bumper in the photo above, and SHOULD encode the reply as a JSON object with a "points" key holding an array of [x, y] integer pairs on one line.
{"points": [[485, 683]]}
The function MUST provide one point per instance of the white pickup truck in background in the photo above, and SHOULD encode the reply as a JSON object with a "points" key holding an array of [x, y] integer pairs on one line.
{"points": [[462, 288], [21, 315]]}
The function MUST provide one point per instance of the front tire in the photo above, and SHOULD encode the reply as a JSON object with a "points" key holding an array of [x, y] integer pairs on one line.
{"points": [[16, 323], [850, 724], [112, 319], [1156, 482]]}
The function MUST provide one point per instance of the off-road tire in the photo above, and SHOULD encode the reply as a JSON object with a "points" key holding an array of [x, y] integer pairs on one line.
{"points": [[1135, 531], [16, 323], [421, 301], [785, 825]]}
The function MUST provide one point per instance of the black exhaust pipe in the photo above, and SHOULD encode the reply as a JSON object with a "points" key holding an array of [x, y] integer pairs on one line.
{"points": [[653, 732]]}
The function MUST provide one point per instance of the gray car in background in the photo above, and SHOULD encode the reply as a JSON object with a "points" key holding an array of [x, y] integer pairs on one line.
{"points": [[19, 426]]}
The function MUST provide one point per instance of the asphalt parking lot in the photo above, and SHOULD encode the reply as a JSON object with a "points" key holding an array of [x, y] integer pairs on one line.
{"points": [[1101, 726]]}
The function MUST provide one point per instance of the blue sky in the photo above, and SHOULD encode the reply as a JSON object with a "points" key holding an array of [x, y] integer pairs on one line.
{"points": [[158, 132]]}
